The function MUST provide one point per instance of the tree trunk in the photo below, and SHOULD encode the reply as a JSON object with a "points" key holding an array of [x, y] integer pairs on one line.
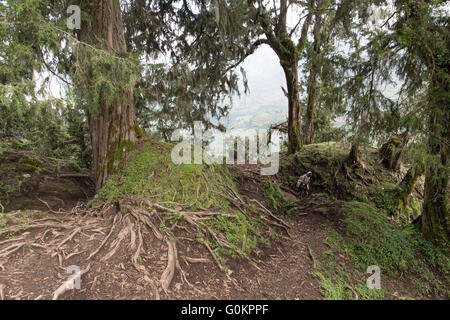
{"points": [[406, 186], [353, 157], [435, 221], [392, 151], [313, 85], [313, 93], [113, 127], [291, 73]]}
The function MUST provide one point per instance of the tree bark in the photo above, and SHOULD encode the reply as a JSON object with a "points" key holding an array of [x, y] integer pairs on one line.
{"points": [[353, 157], [392, 151], [406, 186], [435, 221], [289, 54], [113, 127], [313, 85], [313, 93], [291, 73]]}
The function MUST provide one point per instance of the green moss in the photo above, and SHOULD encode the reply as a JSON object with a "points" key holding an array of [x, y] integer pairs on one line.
{"points": [[384, 196], [150, 173], [35, 162], [31, 165], [296, 145], [9, 188], [74, 166], [116, 154], [139, 132], [332, 176], [276, 199]]}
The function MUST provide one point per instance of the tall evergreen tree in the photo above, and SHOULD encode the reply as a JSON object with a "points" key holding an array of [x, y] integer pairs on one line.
{"points": [[112, 122]]}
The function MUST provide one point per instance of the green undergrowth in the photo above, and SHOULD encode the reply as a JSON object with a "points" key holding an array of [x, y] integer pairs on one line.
{"points": [[369, 237], [276, 199], [151, 174], [370, 227], [336, 283]]}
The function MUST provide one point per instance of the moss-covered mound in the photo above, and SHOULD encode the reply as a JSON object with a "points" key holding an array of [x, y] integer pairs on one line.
{"points": [[333, 175], [223, 220]]}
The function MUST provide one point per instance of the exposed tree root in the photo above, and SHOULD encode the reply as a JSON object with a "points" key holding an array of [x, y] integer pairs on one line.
{"points": [[117, 217], [167, 276], [312, 257], [197, 260], [21, 228], [69, 284], [116, 242], [11, 249], [219, 265], [353, 291]]}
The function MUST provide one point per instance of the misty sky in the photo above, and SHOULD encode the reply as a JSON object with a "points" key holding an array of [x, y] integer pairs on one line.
{"points": [[265, 103]]}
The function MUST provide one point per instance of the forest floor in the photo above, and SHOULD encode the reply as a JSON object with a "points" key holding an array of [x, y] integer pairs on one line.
{"points": [[119, 259], [36, 269]]}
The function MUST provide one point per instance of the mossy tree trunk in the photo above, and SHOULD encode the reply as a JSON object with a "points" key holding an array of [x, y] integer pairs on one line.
{"points": [[313, 94], [435, 221], [353, 157], [392, 151], [112, 127], [406, 186], [291, 73]]}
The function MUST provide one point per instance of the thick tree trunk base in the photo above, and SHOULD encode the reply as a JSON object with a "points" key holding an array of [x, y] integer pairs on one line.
{"points": [[391, 153], [435, 222]]}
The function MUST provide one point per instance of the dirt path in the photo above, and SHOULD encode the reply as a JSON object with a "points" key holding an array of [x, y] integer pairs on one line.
{"points": [[38, 265], [286, 270]]}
